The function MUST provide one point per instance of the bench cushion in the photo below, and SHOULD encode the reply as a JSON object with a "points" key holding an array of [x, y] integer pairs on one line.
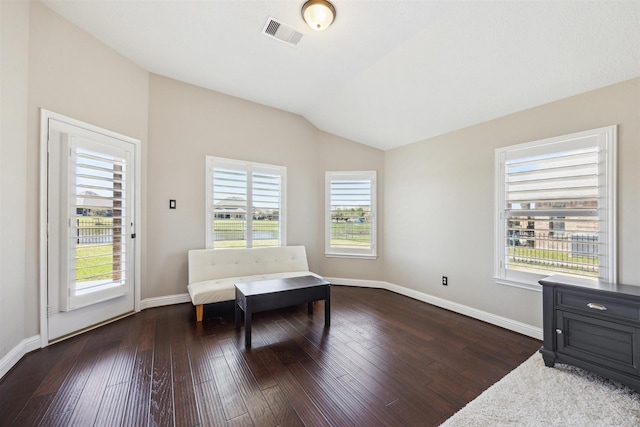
{"points": [[207, 264], [217, 290], [214, 272]]}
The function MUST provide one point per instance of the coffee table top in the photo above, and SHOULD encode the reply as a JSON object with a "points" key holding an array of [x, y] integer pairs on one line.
{"points": [[279, 285]]}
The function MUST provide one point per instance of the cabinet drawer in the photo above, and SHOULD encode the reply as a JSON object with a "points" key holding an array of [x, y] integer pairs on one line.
{"points": [[597, 305], [606, 343]]}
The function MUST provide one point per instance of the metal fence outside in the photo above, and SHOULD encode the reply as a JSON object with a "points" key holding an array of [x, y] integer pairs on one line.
{"points": [[555, 251], [91, 231]]}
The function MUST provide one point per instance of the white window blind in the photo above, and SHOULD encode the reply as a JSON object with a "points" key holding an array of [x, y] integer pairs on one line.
{"points": [[555, 206], [245, 204], [267, 193], [97, 243], [351, 214]]}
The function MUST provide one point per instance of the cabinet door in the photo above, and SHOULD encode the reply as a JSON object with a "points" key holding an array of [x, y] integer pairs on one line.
{"points": [[598, 341]]}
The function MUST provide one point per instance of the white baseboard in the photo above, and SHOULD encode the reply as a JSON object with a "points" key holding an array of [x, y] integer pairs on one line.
{"points": [[485, 316], [166, 300], [25, 346]]}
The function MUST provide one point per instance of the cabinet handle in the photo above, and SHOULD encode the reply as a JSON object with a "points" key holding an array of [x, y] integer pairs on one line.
{"points": [[559, 331], [595, 306]]}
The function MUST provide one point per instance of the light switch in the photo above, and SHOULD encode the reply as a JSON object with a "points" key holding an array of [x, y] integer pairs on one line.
{"points": [[172, 204]]}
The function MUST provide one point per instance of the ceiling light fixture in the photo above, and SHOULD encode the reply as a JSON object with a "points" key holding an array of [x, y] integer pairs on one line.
{"points": [[318, 14]]}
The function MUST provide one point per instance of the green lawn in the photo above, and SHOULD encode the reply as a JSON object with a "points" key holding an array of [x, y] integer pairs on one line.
{"points": [[94, 260], [350, 243], [350, 234], [243, 243]]}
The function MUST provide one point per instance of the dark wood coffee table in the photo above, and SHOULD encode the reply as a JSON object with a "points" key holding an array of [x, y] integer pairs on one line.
{"points": [[264, 295]]}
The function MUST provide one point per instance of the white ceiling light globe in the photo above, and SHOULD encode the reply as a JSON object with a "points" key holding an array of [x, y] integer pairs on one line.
{"points": [[318, 14]]}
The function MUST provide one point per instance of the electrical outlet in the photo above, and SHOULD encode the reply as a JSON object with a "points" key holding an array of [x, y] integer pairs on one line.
{"points": [[445, 280]]}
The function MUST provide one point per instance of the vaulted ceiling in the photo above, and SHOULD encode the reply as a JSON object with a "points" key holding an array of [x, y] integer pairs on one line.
{"points": [[386, 73]]}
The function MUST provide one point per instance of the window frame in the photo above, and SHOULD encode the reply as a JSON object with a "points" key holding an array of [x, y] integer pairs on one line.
{"points": [[607, 153], [212, 162], [371, 252]]}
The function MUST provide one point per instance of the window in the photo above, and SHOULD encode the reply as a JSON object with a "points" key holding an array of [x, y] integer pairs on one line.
{"points": [[555, 208], [350, 214], [245, 204]]}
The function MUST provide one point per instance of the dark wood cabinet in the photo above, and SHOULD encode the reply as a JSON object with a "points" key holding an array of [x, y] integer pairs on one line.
{"points": [[592, 325]]}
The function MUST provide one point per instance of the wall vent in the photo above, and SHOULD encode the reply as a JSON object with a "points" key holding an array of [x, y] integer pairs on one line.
{"points": [[279, 31]]}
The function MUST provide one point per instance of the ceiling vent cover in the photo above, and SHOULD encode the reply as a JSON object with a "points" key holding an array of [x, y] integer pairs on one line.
{"points": [[279, 31]]}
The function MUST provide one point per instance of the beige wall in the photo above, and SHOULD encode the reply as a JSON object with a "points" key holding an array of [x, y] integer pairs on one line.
{"points": [[187, 123], [14, 89], [71, 73], [339, 154], [439, 200]]}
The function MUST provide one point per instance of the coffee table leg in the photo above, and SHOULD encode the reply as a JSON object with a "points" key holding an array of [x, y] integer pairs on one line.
{"points": [[327, 308], [247, 323], [238, 309], [238, 315]]}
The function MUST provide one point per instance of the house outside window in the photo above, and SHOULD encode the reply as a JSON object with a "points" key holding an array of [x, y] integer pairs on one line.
{"points": [[245, 204], [555, 208], [350, 214]]}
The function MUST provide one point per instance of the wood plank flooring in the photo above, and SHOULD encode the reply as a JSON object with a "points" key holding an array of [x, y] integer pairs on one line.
{"points": [[386, 360]]}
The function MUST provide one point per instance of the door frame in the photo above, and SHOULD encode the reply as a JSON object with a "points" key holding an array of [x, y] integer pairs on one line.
{"points": [[45, 115]]}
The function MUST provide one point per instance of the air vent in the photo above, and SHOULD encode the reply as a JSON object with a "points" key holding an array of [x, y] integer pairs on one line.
{"points": [[279, 31]]}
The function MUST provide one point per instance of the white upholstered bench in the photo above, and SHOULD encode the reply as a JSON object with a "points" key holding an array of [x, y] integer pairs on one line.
{"points": [[213, 273]]}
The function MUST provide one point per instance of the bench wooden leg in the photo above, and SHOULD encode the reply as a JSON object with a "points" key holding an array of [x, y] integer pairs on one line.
{"points": [[199, 312]]}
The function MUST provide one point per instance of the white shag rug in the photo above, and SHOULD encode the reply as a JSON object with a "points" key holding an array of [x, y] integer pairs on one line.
{"points": [[534, 395]]}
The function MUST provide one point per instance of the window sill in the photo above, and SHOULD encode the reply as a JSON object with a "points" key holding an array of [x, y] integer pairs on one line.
{"points": [[361, 256], [536, 287]]}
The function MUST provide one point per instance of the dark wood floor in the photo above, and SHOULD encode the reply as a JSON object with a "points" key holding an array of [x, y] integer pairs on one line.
{"points": [[385, 360]]}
